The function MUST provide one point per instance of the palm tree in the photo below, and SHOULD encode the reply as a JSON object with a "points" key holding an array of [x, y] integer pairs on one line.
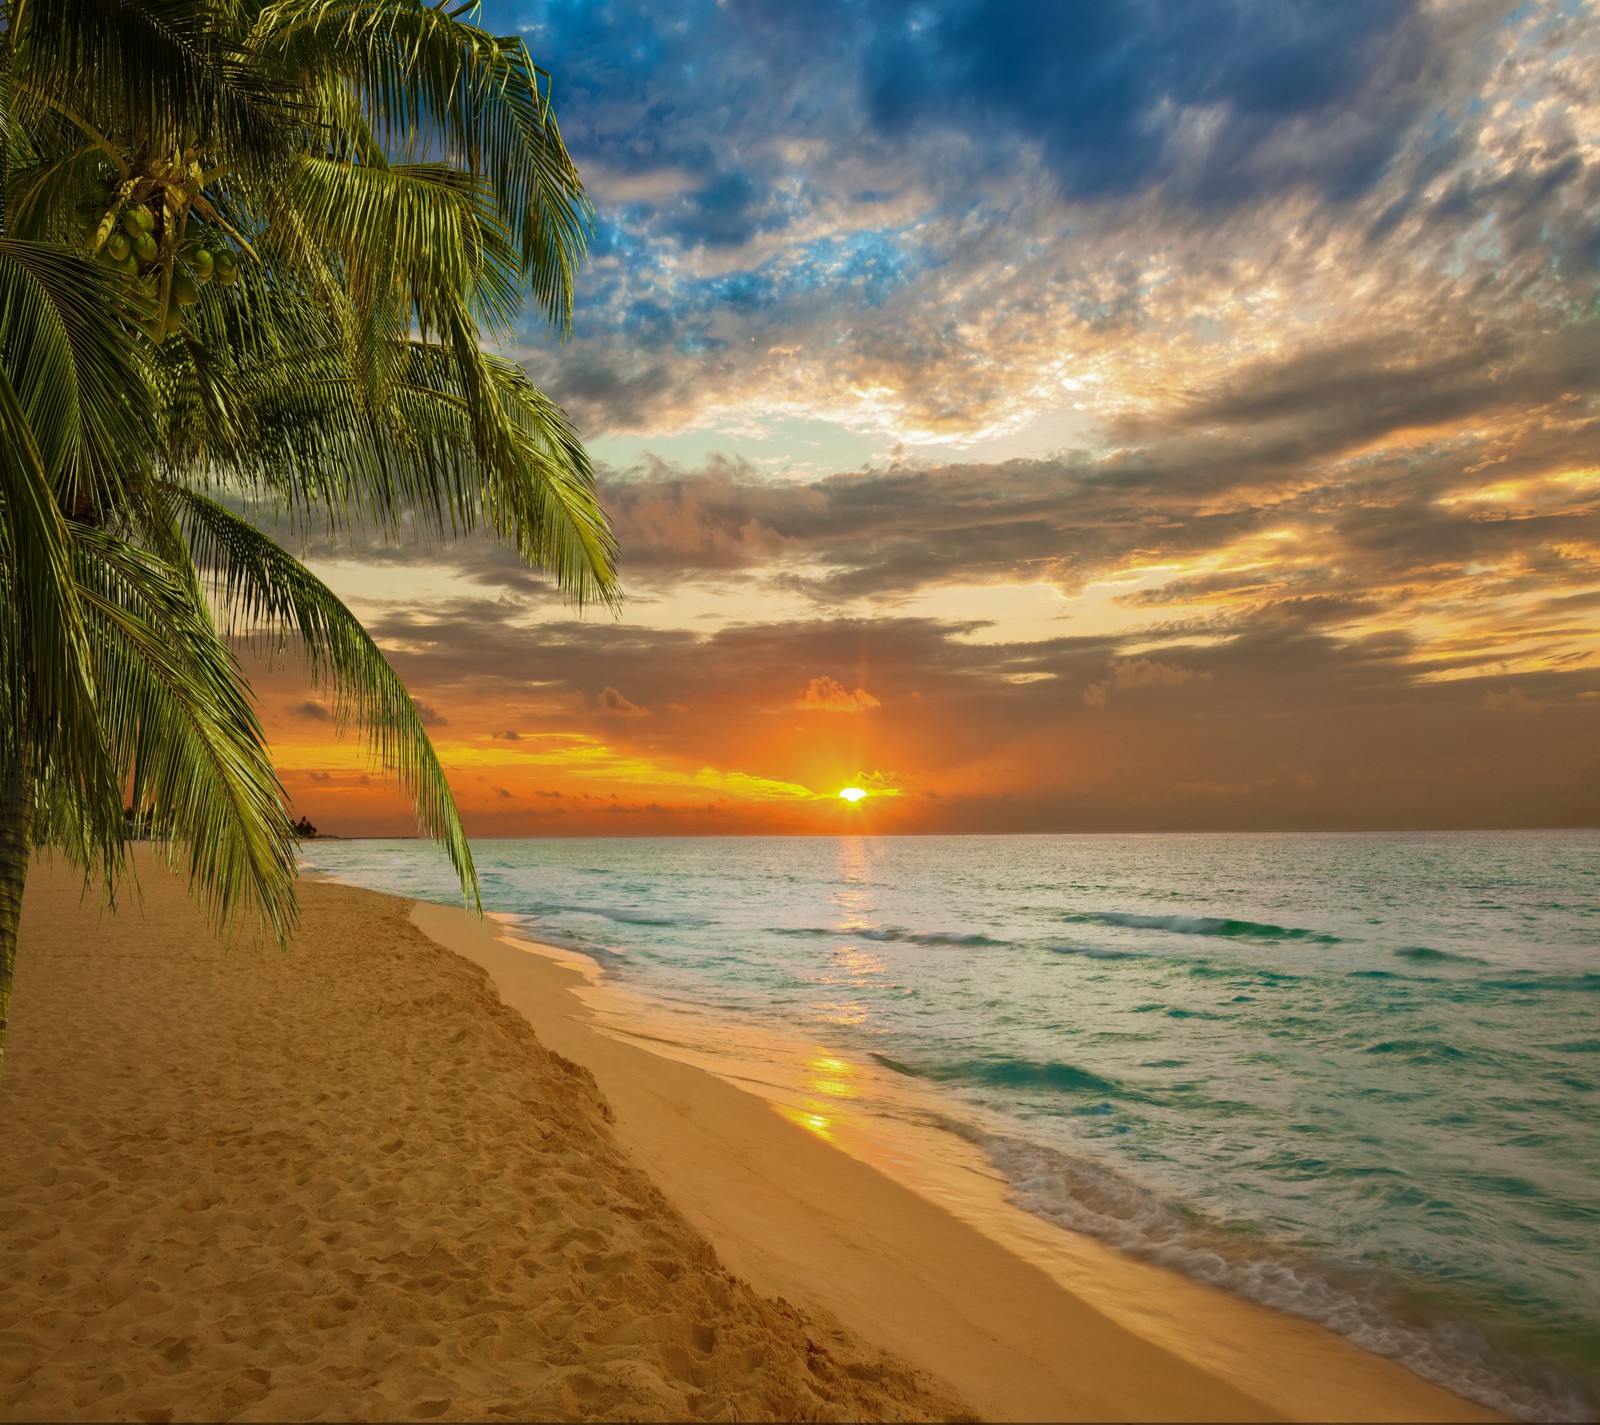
{"points": [[249, 253]]}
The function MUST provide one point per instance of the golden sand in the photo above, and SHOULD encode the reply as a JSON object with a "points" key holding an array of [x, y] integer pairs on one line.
{"points": [[349, 1181]]}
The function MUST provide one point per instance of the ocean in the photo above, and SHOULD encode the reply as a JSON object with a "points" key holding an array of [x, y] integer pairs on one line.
{"points": [[1354, 1076]]}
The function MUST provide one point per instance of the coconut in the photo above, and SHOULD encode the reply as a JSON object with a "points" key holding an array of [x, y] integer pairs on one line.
{"points": [[203, 263], [227, 270], [129, 265], [184, 289], [118, 246], [174, 320], [144, 248]]}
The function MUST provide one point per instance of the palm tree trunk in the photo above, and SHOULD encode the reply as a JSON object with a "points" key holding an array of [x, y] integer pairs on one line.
{"points": [[16, 821]]}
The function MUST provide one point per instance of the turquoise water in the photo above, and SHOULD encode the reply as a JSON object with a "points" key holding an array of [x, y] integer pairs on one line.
{"points": [[1354, 1076]]}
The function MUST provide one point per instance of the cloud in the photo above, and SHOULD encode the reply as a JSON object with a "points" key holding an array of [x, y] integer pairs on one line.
{"points": [[313, 711], [613, 704], [1139, 673], [947, 212], [1371, 737], [1222, 100], [824, 694], [1510, 700]]}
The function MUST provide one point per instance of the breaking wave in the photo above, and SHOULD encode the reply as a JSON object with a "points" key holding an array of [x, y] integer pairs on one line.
{"points": [[1202, 925]]}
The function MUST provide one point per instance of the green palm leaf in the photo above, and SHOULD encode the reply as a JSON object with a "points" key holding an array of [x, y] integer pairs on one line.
{"points": [[430, 83], [185, 738], [266, 589]]}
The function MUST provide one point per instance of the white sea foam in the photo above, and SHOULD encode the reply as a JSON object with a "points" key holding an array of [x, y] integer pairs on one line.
{"points": [[1084, 1196]]}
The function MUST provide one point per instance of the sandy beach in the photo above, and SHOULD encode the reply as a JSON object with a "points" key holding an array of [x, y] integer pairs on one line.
{"points": [[399, 1172]]}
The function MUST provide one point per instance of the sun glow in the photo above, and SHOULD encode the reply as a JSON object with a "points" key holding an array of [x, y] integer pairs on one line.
{"points": [[852, 794]]}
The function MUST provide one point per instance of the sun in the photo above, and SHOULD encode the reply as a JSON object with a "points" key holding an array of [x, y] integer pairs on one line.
{"points": [[852, 794]]}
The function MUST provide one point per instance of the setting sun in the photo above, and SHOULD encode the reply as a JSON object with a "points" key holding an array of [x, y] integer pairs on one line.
{"points": [[852, 794]]}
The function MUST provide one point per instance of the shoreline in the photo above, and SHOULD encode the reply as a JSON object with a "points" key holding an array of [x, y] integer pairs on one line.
{"points": [[403, 1172], [931, 1260]]}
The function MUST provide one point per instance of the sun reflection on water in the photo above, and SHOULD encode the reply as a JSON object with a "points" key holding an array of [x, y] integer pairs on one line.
{"points": [[831, 1077], [853, 897], [818, 1123], [829, 1094], [850, 1012]]}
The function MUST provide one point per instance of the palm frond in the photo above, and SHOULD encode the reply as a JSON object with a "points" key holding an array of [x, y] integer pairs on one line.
{"points": [[47, 672], [266, 589], [319, 454], [66, 335], [161, 70], [427, 230], [435, 86], [185, 735]]}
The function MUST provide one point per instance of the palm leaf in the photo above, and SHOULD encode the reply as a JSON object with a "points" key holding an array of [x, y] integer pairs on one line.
{"points": [[265, 589], [318, 451], [66, 335], [184, 734], [431, 84]]}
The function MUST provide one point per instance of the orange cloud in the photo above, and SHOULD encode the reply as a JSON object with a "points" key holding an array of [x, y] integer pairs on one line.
{"points": [[824, 694], [1513, 700], [613, 704], [1140, 673]]}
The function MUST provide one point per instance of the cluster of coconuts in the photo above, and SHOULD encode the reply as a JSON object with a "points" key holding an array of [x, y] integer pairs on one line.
{"points": [[135, 251]]}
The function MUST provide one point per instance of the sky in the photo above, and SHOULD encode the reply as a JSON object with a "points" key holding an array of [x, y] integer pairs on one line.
{"points": [[1116, 416]]}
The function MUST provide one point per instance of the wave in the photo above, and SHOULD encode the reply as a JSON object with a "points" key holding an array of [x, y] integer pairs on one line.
{"points": [[1423, 955], [1085, 1196], [1203, 925], [1093, 952], [1418, 1051], [930, 937], [536, 929], [1001, 1072], [612, 913], [892, 935], [1583, 984]]}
